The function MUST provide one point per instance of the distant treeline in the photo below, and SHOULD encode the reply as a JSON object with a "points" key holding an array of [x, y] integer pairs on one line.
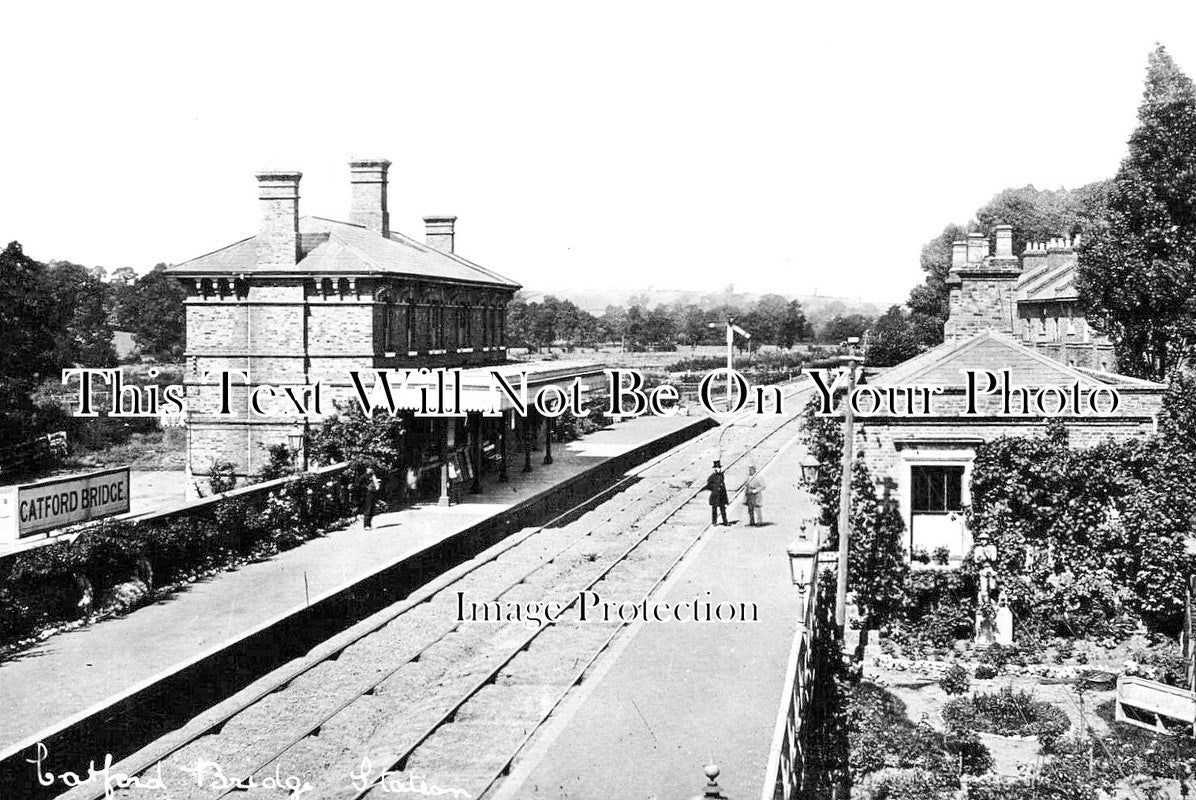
{"points": [[771, 320]]}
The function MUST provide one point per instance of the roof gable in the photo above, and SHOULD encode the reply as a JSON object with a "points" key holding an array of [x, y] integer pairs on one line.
{"points": [[945, 365]]}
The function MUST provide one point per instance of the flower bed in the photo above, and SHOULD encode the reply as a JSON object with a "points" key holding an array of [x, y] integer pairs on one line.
{"points": [[1007, 713]]}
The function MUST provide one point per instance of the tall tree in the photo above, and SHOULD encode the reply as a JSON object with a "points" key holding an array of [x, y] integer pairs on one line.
{"points": [[891, 339], [794, 326], [27, 352], [79, 315], [153, 310], [1137, 271]]}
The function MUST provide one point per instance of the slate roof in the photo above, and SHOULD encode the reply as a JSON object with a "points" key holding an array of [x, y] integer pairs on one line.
{"points": [[1049, 280], [991, 350], [328, 247]]}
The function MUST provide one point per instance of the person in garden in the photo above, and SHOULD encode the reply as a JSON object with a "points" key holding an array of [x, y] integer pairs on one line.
{"points": [[372, 486], [754, 498], [717, 485]]}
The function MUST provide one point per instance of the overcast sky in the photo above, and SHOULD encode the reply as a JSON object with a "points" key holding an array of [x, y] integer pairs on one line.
{"points": [[783, 147]]}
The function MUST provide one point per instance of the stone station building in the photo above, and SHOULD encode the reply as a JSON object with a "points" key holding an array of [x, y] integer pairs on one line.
{"points": [[1019, 320], [310, 300]]}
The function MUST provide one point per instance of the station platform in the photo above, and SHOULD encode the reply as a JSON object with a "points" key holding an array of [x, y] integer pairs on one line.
{"points": [[70, 675], [677, 696]]}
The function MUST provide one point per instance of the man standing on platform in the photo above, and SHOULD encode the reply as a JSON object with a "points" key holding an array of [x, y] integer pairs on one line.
{"points": [[754, 498], [372, 485], [717, 485]]}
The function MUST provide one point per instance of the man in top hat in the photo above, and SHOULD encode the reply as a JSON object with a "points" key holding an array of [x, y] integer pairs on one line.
{"points": [[717, 485]]}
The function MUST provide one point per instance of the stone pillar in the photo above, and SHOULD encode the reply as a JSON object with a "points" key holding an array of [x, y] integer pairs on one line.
{"points": [[476, 487], [527, 431], [502, 448], [442, 446]]}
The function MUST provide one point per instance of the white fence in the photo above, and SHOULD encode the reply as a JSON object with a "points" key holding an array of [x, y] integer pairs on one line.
{"points": [[785, 777]]}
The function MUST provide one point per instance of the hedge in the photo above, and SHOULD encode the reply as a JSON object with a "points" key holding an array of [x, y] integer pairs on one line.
{"points": [[45, 587]]}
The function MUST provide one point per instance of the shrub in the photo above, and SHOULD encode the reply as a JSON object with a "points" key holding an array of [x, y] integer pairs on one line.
{"points": [[986, 671], [881, 736], [955, 680], [1000, 656], [1006, 713], [280, 463], [942, 555], [921, 555], [222, 477], [911, 784], [966, 747]]}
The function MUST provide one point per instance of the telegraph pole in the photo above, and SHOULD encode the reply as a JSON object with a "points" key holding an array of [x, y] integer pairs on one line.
{"points": [[845, 492]]}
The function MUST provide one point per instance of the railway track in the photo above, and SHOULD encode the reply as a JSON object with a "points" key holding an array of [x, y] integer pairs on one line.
{"points": [[414, 696]]}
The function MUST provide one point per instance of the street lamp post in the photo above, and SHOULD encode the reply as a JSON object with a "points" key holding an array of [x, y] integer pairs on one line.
{"points": [[845, 489]]}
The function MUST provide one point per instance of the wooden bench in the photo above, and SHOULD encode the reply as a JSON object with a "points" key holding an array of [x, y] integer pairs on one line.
{"points": [[1155, 706]]}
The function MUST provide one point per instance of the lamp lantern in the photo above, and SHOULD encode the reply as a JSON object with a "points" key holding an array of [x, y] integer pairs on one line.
{"points": [[809, 469], [802, 554]]}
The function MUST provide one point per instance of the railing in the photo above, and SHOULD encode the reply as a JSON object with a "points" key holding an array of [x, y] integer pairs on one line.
{"points": [[785, 777]]}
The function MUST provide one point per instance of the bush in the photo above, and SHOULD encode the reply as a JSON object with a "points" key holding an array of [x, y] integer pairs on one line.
{"points": [[40, 587], [881, 736], [280, 463], [999, 656], [955, 680], [222, 477], [966, 747], [942, 555], [920, 555], [1006, 713], [911, 784], [986, 671]]}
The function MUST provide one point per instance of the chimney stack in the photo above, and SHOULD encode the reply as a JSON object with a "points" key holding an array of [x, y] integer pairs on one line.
{"points": [[278, 233], [1004, 241], [367, 207], [977, 248], [959, 253], [439, 234]]}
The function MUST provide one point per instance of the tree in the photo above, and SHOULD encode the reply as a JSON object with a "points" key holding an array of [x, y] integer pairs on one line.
{"points": [[27, 354], [1136, 276], [841, 328], [79, 315], [153, 311], [794, 326], [892, 339]]}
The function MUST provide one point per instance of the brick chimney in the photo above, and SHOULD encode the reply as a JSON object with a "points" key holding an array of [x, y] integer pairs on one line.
{"points": [[959, 253], [1004, 241], [439, 234], [977, 248], [278, 233], [367, 207]]}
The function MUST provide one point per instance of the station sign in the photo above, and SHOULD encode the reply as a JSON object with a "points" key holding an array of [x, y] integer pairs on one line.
{"points": [[34, 508]]}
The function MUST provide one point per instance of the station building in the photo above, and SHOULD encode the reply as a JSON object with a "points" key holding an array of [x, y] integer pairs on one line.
{"points": [[310, 300], [1033, 298], [1005, 315]]}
